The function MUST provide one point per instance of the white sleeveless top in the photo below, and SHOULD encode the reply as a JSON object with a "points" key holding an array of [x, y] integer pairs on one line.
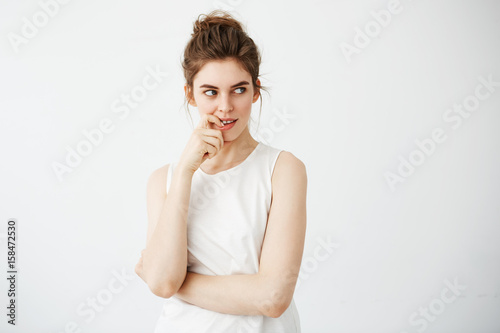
{"points": [[226, 222]]}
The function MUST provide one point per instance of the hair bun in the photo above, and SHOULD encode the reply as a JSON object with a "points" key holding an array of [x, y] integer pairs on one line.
{"points": [[216, 17], [200, 26]]}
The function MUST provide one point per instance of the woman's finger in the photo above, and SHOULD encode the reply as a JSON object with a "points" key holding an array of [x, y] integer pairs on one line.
{"points": [[213, 142], [211, 150], [206, 120], [215, 134]]}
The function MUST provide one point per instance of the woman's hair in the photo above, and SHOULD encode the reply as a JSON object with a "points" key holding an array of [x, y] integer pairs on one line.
{"points": [[218, 36]]}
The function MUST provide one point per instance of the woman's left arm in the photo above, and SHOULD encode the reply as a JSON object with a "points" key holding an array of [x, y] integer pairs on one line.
{"points": [[270, 291]]}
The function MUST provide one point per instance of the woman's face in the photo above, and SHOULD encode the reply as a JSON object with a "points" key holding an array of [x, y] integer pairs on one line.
{"points": [[224, 89]]}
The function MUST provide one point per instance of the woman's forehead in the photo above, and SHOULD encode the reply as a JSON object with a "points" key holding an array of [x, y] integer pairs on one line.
{"points": [[221, 73]]}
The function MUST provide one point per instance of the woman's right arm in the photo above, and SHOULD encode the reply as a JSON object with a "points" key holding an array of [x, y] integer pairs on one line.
{"points": [[163, 265], [165, 257]]}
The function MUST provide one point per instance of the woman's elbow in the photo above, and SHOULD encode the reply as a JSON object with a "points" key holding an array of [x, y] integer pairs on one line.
{"points": [[277, 303], [276, 310], [165, 289], [162, 286]]}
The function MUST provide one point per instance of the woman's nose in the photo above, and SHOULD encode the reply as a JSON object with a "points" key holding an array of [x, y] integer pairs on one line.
{"points": [[225, 103]]}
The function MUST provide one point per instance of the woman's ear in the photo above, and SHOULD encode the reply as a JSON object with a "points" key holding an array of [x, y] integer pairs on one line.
{"points": [[256, 93], [189, 95]]}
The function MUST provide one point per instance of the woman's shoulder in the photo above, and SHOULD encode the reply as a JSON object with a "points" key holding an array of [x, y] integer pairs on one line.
{"points": [[287, 164], [287, 160], [289, 175], [283, 156], [158, 178]]}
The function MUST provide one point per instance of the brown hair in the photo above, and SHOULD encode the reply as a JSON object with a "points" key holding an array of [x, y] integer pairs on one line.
{"points": [[218, 36]]}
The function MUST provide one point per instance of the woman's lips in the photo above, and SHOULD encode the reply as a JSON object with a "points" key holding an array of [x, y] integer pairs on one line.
{"points": [[227, 126]]}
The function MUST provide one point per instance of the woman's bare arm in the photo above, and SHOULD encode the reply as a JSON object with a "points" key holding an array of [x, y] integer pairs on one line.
{"points": [[164, 260], [231, 294], [270, 291]]}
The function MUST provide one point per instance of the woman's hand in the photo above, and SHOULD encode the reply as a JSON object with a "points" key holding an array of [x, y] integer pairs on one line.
{"points": [[204, 143]]}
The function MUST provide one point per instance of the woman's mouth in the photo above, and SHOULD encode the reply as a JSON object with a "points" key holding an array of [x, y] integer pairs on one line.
{"points": [[228, 124]]}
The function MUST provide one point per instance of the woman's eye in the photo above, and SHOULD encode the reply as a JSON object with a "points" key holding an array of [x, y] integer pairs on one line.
{"points": [[210, 92], [242, 90]]}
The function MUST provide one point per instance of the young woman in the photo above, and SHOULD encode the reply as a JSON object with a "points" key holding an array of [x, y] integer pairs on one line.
{"points": [[224, 247]]}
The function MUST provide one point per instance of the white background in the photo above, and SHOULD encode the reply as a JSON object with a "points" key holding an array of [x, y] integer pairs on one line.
{"points": [[350, 123]]}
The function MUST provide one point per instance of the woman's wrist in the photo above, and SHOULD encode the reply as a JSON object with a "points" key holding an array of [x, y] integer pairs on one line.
{"points": [[183, 171]]}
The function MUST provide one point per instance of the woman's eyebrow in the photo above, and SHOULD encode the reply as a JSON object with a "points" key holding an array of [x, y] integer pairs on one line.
{"points": [[234, 85]]}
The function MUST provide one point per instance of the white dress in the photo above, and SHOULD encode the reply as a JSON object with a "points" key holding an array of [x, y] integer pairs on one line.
{"points": [[226, 222]]}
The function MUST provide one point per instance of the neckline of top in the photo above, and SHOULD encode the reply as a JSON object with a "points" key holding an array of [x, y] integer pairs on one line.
{"points": [[236, 166]]}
